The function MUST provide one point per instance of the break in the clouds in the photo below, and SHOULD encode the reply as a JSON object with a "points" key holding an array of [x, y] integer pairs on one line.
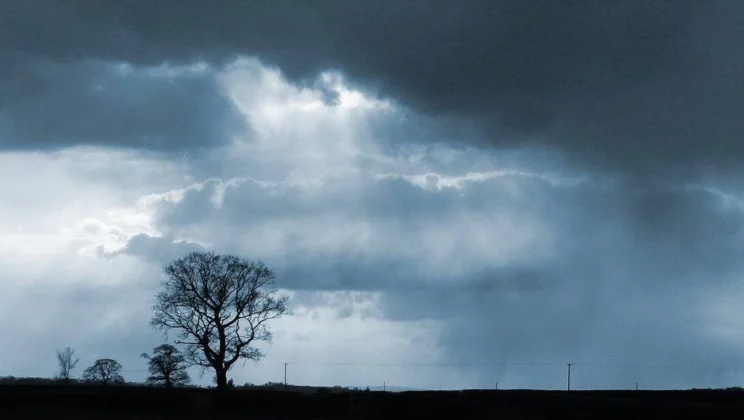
{"points": [[453, 193]]}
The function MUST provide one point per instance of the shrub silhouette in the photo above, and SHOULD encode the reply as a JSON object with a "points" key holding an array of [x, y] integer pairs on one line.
{"points": [[67, 361], [104, 371], [167, 366]]}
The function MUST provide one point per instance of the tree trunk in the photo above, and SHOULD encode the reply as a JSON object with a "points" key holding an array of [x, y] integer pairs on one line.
{"points": [[221, 378]]}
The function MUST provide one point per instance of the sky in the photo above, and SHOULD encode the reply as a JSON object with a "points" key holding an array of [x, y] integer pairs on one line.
{"points": [[452, 193]]}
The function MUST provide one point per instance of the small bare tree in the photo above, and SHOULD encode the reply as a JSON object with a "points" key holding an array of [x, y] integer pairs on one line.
{"points": [[220, 306], [167, 366], [67, 361], [104, 371]]}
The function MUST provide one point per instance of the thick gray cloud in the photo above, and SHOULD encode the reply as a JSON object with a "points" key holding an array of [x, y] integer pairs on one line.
{"points": [[614, 279], [52, 105], [158, 249], [631, 85]]}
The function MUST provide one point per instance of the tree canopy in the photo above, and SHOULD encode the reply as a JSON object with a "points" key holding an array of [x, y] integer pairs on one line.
{"points": [[104, 371], [220, 306], [67, 362], [167, 366]]}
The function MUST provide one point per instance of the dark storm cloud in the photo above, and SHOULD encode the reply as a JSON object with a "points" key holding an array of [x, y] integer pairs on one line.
{"points": [[629, 85], [49, 104]]}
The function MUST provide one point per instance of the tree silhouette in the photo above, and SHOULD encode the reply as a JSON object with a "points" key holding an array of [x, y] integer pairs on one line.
{"points": [[104, 371], [167, 366], [220, 306], [67, 361]]}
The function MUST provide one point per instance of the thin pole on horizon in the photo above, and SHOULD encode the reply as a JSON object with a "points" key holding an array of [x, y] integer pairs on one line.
{"points": [[285, 375], [384, 386], [636, 386], [569, 376]]}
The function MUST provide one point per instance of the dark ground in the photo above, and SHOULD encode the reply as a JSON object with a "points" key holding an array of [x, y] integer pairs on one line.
{"points": [[89, 402]]}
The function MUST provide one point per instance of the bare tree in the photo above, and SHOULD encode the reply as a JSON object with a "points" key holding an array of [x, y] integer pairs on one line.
{"points": [[220, 306], [67, 361], [104, 371], [167, 366]]}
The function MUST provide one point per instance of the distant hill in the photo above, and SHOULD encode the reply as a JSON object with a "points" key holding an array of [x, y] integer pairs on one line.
{"points": [[327, 389], [392, 388]]}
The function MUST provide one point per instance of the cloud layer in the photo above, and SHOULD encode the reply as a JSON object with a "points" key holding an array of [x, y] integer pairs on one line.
{"points": [[454, 194], [52, 105], [631, 86]]}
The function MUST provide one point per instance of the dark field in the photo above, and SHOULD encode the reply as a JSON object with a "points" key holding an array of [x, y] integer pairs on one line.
{"points": [[86, 402]]}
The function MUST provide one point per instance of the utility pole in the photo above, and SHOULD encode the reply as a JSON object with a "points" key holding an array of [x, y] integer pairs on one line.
{"points": [[384, 386], [497, 385], [285, 375], [569, 376], [636, 386]]}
